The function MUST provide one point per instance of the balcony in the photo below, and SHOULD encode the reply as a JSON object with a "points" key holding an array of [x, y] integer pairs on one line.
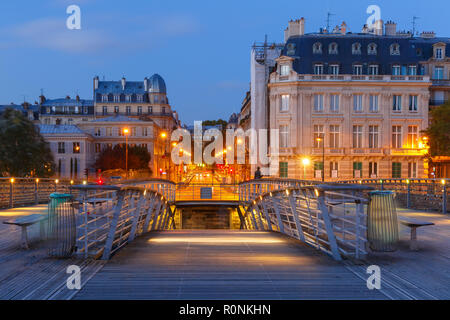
{"points": [[348, 78], [408, 152], [133, 114], [440, 82], [436, 102], [367, 151]]}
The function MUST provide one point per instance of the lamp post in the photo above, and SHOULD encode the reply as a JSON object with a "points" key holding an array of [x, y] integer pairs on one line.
{"points": [[323, 156], [126, 131], [306, 163], [163, 136]]}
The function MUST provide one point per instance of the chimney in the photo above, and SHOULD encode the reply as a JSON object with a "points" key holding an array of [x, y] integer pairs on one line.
{"points": [[343, 28], [286, 34], [378, 27], [365, 29], [68, 97], [295, 28], [146, 84], [390, 28], [42, 99], [123, 83], [428, 35], [336, 29], [95, 82], [78, 98]]}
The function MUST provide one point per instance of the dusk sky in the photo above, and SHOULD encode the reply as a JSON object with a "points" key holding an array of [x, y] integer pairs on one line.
{"points": [[201, 48]]}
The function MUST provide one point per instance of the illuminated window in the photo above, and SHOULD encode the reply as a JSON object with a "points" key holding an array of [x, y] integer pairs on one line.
{"points": [[284, 102], [413, 136], [397, 137], [285, 69]]}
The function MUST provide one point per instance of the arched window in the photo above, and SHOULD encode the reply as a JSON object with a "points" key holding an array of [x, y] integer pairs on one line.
{"points": [[317, 48], [395, 49], [356, 48], [372, 49], [333, 48]]}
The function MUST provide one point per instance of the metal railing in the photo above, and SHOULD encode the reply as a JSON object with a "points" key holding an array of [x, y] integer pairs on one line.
{"points": [[422, 194], [205, 192], [329, 218], [109, 217], [166, 188], [29, 191]]}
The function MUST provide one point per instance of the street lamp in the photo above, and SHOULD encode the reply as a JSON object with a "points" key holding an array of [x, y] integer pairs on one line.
{"points": [[126, 131], [306, 162], [323, 156]]}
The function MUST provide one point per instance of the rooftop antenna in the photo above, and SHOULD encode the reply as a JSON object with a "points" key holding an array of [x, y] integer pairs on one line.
{"points": [[414, 25], [329, 14]]}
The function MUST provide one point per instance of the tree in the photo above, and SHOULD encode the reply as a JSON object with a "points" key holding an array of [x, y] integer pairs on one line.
{"points": [[114, 158], [220, 122], [439, 131], [23, 151]]}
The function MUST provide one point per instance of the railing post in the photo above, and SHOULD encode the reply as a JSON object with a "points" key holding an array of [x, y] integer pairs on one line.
{"points": [[277, 212], [149, 212], [11, 200], [242, 218], [135, 220], [258, 213], [36, 192], [296, 219], [255, 224], [113, 226], [408, 195], [156, 214], [266, 213], [329, 228], [444, 199]]}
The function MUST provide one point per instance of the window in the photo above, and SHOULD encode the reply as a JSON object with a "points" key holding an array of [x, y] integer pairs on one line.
{"points": [[372, 49], [128, 98], [284, 102], [358, 103], [104, 98], [120, 132], [105, 110], [373, 69], [318, 69], [395, 49], [109, 131], [396, 170], [317, 48], [318, 102], [373, 137], [357, 136], [334, 69], [412, 136], [438, 53], [396, 70], [163, 110], [318, 133], [334, 169], [61, 147], [412, 70], [150, 110], [284, 136], [334, 136], [373, 103], [76, 147], [357, 170], [412, 170], [144, 145], [397, 103], [413, 103], [318, 169], [139, 111], [133, 131], [438, 73], [116, 109], [283, 169], [334, 103], [373, 170], [98, 148], [285, 69], [128, 110], [85, 110], [397, 137], [333, 48], [144, 131], [97, 132], [356, 48], [139, 98], [357, 69], [116, 98]]}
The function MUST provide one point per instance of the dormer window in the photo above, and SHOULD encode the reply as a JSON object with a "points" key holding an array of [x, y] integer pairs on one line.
{"points": [[356, 48], [139, 98], [333, 48], [317, 48], [334, 69], [438, 53], [357, 69], [128, 98], [395, 49], [372, 49], [116, 98], [104, 98], [318, 69], [285, 69]]}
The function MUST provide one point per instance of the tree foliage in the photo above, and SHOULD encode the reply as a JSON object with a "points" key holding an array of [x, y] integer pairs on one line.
{"points": [[23, 151], [221, 122], [115, 158], [439, 131]]}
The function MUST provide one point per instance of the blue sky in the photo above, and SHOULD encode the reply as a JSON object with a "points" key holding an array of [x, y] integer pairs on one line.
{"points": [[200, 47]]}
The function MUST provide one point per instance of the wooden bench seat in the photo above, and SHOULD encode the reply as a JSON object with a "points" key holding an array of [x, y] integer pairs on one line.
{"points": [[413, 224], [25, 222]]}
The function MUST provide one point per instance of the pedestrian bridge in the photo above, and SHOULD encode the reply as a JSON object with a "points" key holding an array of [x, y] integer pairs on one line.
{"points": [[328, 218]]}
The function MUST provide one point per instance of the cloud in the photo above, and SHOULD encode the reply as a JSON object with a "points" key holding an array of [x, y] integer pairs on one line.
{"points": [[53, 34]]}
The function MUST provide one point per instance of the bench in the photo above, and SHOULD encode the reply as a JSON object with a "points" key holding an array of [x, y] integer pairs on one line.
{"points": [[414, 224], [25, 222]]}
